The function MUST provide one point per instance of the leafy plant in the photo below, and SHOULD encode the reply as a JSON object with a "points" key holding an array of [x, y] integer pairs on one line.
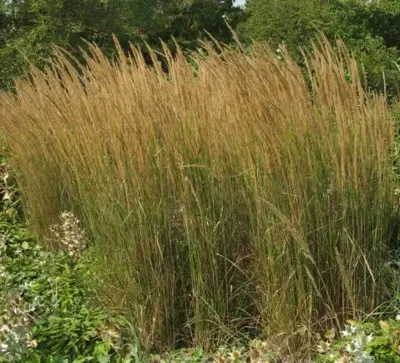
{"points": [[47, 306], [364, 342], [369, 28]]}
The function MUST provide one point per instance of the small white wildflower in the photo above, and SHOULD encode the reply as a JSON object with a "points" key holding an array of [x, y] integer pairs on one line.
{"points": [[4, 328], [3, 347], [70, 235], [362, 340], [33, 343], [349, 330], [323, 346], [387, 264], [351, 348], [6, 196], [113, 334], [5, 177], [235, 355], [398, 317], [345, 333], [26, 285]]}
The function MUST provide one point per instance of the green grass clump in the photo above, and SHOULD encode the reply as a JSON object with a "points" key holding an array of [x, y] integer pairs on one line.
{"points": [[240, 199]]}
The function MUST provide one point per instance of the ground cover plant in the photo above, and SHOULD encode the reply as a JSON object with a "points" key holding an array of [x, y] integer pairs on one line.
{"points": [[47, 307], [234, 198], [368, 342]]}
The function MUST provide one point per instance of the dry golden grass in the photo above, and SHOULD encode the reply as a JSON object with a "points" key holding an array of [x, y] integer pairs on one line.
{"points": [[231, 195]]}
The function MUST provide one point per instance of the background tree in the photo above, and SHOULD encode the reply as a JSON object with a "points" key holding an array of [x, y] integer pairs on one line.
{"points": [[30, 27], [371, 29]]}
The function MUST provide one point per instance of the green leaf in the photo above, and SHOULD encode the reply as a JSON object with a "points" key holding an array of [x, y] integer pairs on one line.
{"points": [[104, 359], [101, 349], [385, 326], [379, 341], [330, 334]]}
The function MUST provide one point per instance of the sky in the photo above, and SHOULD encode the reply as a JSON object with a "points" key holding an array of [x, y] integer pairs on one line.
{"points": [[240, 2]]}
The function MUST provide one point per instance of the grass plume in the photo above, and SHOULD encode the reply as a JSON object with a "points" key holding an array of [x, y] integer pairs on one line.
{"points": [[230, 195]]}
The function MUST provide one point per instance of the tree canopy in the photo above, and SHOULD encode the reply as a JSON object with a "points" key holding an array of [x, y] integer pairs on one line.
{"points": [[28, 28], [370, 28]]}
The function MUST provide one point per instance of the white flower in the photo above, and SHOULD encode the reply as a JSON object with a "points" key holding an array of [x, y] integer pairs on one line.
{"points": [[70, 235], [33, 343], [3, 347], [349, 330], [235, 355], [323, 347], [362, 340], [6, 196], [26, 285], [350, 348], [345, 333], [4, 329], [398, 317]]}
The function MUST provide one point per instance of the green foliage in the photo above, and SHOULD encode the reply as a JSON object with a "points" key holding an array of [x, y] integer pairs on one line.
{"points": [[81, 335], [47, 305], [29, 28], [254, 351], [363, 342], [288, 21], [370, 29]]}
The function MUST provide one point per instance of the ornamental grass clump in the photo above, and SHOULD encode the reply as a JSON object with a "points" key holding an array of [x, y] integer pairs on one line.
{"points": [[225, 196]]}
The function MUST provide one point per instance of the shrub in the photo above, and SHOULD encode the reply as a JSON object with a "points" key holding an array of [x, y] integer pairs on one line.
{"points": [[369, 28], [237, 200]]}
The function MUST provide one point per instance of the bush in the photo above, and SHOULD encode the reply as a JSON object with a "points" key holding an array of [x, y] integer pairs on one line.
{"points": [[233, 201], [369, 28]]}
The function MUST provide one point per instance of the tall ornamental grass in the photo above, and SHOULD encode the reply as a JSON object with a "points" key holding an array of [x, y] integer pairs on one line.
{"points": [[225, 195]]}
